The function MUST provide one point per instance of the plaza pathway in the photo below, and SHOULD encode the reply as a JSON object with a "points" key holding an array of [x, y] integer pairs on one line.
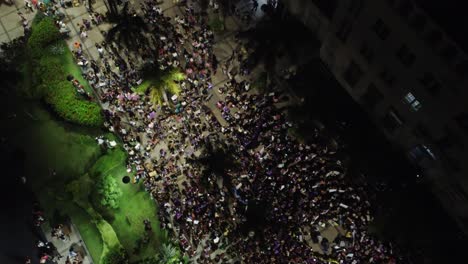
{"points": [[72, 241]]}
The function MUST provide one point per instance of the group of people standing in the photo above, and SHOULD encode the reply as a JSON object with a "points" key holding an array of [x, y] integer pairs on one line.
{"points": [[302, 186]]}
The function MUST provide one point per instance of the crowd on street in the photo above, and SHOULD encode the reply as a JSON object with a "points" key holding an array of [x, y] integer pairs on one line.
{"points": [[302, 185]]}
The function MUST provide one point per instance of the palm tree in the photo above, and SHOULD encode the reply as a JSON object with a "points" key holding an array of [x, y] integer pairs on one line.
{"points": [[166, 83], [129, 28], [169, 254]]}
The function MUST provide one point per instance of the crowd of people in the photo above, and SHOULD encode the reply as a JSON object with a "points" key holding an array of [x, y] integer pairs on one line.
{"points": [[302, 186]]}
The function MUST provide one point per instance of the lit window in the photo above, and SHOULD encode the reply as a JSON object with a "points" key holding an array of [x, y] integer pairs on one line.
{"points": [[411, 100], [416, 105]]}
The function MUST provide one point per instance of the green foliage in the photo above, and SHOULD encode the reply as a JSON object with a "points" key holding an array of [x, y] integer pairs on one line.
{"points": [[48, 72], [109, 192], [115, 255], [57, 48], [169, 254], [143, 87], [47, 76], [166, 81], [152, 260], [43, 33], [38, 18], [64, 100], [170, 80], [156, 95]]}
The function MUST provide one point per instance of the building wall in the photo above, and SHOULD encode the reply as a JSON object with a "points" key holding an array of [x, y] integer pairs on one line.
{"points": [[429, 131]]}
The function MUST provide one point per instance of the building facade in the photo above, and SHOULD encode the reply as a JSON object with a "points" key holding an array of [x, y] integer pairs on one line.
{"points": [[409, 75]]}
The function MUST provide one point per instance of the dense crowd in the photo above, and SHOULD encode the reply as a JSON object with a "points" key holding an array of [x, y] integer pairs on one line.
{"points": [[302, 187]]}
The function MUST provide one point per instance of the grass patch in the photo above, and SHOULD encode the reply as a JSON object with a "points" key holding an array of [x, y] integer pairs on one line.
{"points": [[70, 67], [89, 231], [128, 222], [54, 146], [135, 205]]}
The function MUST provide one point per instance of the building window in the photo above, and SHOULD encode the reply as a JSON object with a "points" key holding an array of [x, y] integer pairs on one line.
{"points": [[353, 74], [462, 121], [405, 56], [392, 120], [372, 97], [431, 85], [381, 29], [344, 30], [421, 152], [411, 100], [366, 52], [387, 77]]}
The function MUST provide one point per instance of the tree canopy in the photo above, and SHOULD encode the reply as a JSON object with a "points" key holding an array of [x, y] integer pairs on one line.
{"points": [[109, 192]]}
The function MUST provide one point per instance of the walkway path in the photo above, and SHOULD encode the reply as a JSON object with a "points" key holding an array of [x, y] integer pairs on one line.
{"points": [[73, 241]]}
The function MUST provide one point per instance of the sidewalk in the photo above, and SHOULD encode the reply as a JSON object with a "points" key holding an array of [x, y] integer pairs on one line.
{"points": [[73, 240]]}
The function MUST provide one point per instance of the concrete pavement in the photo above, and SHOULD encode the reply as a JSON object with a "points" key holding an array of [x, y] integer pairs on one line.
{"points": [[72, 240]]}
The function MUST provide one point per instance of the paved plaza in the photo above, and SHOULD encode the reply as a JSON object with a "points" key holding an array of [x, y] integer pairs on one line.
{"points": [[11, 28]]}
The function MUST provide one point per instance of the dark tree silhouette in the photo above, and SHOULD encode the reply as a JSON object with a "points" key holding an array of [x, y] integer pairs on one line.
{"points": [[217, 161], [129, 29], [112, 9], [273, 37]]}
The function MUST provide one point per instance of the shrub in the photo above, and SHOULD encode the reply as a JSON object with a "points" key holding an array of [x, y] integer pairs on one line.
{"points": [[169, 254], [115, 255], [38, 18], [48, 76], [49, 70], [108, 191], [43, 33], [61, 96]]}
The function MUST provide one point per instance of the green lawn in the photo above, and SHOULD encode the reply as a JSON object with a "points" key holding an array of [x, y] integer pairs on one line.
{"points": [[72, 68], [135, 206], [53, 145], [89, 232]]}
